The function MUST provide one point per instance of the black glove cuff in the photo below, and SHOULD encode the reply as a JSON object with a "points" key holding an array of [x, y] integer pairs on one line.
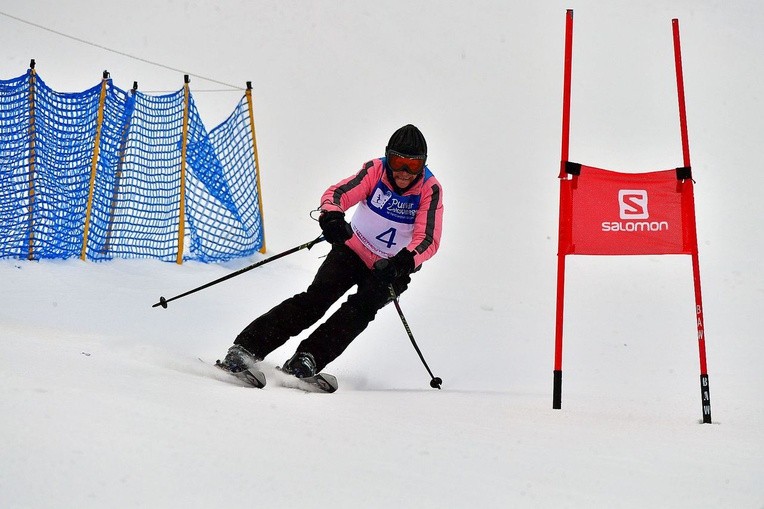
{"points": [[336, 230], [404, 261], [329, 216]]}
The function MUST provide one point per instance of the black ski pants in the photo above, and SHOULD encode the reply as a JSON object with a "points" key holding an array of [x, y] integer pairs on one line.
{"points": [[341, 270]]}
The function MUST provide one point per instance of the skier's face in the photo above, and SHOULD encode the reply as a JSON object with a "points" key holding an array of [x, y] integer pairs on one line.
{"points": [[403, 179]]}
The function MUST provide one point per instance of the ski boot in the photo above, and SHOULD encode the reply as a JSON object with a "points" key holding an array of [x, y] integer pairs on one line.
{"points": [[301, 365], [237, 359]]}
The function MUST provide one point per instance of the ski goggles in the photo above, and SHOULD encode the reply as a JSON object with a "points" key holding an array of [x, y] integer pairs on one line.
{"points": [[410, 164]]}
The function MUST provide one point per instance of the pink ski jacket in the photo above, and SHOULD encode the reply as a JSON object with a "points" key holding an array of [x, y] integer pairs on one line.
{"points": [[386, 221]]}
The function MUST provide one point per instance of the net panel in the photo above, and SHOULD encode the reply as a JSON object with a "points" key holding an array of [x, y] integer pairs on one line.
{"points": [[56, 154], [14, 167], [143, 220], [222, 197], [48, 143]]}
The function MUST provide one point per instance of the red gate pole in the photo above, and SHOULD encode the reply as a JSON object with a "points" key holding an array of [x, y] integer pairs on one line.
{"points": [[693, 238], [557, 381]]}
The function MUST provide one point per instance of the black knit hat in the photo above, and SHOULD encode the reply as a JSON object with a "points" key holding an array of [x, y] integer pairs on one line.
{"points": [[408, 141]]}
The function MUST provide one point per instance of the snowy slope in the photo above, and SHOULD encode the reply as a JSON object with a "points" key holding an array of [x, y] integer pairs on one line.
{"points": [[105, 403]]}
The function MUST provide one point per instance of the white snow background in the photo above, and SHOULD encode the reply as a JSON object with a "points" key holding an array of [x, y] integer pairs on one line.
{"points": [[103, 402]]}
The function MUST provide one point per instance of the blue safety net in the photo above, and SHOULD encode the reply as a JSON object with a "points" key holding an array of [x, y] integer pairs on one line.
{"points": [[130, 207]]}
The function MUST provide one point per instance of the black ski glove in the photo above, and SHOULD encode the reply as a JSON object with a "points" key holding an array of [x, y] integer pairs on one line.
{"points": [[388, 270], [336, 229]]}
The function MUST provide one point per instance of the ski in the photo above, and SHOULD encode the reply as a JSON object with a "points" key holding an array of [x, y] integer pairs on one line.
{"points": [[251, 376], [321, 382]]}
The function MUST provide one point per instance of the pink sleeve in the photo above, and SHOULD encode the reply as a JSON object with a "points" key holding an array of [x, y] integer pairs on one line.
{"points": [[428, 223], [350, 191]]}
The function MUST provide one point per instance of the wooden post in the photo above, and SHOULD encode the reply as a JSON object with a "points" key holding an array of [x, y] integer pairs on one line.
{"points": [[32, 158], [94, 164], [184, 145], [248, 95]]}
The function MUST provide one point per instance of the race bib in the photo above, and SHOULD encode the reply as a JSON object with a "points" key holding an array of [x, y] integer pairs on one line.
{"points": [[384, 222]]}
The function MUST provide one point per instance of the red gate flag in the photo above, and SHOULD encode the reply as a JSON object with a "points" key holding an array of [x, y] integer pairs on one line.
{"points": [[604, 212]]}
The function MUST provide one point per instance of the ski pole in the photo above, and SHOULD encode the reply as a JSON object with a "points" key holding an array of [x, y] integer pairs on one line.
{"points": [[435, 381], [163, 302]]}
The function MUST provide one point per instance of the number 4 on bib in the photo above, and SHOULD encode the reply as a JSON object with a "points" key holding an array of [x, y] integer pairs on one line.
{"points": [[388, 237]]}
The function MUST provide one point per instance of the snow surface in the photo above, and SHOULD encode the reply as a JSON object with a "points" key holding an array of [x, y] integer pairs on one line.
{"points": [[105, 404]]}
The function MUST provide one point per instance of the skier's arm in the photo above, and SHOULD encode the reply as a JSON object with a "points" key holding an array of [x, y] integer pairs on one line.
{"points": [[428, 223], [348, 192]]}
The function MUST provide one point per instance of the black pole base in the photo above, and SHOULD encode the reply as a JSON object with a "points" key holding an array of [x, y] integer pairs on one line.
{"points": [[705, 397], [557, 393]]}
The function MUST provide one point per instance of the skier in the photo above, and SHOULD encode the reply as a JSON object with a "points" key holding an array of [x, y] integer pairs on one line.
{"points": [[394, 229]]}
